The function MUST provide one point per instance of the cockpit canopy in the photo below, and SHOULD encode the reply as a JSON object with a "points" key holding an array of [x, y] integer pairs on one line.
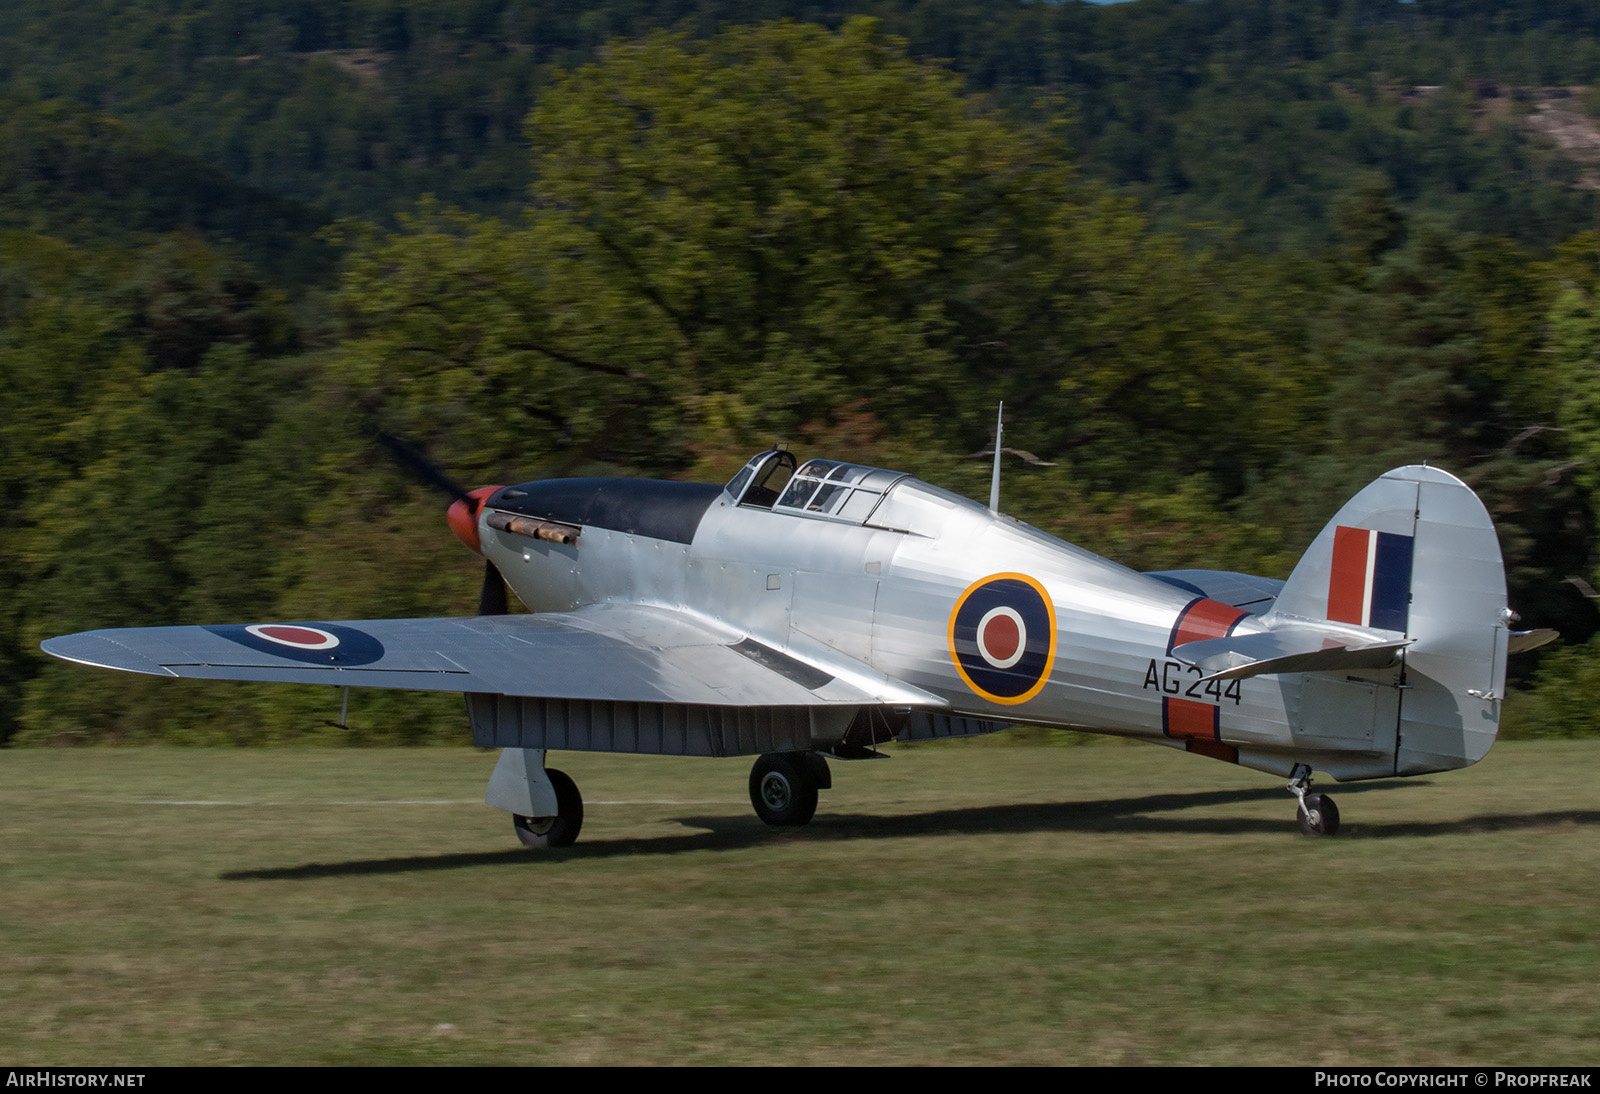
{"points": [[819, 488], [847, 491]]}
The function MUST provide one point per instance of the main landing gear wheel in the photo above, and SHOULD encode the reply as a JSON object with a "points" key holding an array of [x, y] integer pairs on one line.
{"points": [[783, 788], [1318, 816], [560, 830]]}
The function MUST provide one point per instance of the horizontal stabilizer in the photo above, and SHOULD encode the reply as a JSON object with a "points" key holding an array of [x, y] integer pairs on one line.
{"points": [[1288, 649], [1523, 641]]}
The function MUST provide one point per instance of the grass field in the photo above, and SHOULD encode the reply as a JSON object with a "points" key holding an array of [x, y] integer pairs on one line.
{"points": [[1106, 904]]}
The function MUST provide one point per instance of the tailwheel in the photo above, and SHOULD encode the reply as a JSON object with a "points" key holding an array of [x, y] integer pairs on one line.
{"points": [[560, 830], [783, 787], [1318, 815]]}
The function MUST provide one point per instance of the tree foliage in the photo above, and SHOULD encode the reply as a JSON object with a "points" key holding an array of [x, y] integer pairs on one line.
{"points": [[778, 223]]}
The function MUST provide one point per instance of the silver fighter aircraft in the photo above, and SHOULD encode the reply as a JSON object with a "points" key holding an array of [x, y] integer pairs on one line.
{"points": [[803, 612]]}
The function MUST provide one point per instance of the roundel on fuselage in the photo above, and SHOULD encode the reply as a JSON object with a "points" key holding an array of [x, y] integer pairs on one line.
{"points": [[1003, 637]]}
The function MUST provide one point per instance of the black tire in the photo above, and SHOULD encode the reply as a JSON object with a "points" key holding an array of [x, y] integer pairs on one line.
{"points": [[1319, 816], [818, 766], [783, 789], [560, 830]]}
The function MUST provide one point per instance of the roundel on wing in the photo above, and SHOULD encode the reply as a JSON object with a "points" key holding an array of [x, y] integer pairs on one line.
{"points": [[1003, 637], [309, 643]]}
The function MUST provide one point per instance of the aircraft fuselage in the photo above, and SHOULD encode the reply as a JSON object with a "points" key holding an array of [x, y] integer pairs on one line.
{"points": [[990, 616]]}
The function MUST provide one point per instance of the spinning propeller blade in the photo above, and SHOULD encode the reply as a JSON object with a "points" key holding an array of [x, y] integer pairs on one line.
{"points": [[493, 598], [462, 515], [424, 470]]}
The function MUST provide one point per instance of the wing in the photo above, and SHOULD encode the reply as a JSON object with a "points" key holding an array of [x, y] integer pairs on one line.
{"points": [[617, 653]]}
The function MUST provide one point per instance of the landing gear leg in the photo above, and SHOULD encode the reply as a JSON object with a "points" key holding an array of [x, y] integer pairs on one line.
{"points": [[783, 786], [1318, 815]]}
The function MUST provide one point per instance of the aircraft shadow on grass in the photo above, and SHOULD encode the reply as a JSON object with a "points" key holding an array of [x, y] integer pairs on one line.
{"points": [[1145, 814]]}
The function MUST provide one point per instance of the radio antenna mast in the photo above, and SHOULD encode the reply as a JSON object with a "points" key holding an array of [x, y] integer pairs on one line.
{"points": [[994, 481]]}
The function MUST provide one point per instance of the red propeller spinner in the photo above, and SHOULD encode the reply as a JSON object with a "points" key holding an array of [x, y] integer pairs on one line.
{"points": [[463, 515]]}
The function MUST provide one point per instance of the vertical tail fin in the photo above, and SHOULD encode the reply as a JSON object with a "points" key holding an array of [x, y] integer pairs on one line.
{"points": [[1415, 554]]}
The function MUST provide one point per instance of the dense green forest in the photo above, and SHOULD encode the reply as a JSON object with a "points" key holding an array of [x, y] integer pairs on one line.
{"points": [[1225, 261]]}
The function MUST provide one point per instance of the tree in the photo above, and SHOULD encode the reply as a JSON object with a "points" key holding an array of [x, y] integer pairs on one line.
{"points": [[781, 215], [746, 235]]}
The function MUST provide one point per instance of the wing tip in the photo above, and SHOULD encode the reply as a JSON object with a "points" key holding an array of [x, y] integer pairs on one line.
{"points": [[97, 650]]}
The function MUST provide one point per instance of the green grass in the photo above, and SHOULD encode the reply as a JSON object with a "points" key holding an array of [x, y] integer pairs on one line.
{"points": [[1099, 905]]}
